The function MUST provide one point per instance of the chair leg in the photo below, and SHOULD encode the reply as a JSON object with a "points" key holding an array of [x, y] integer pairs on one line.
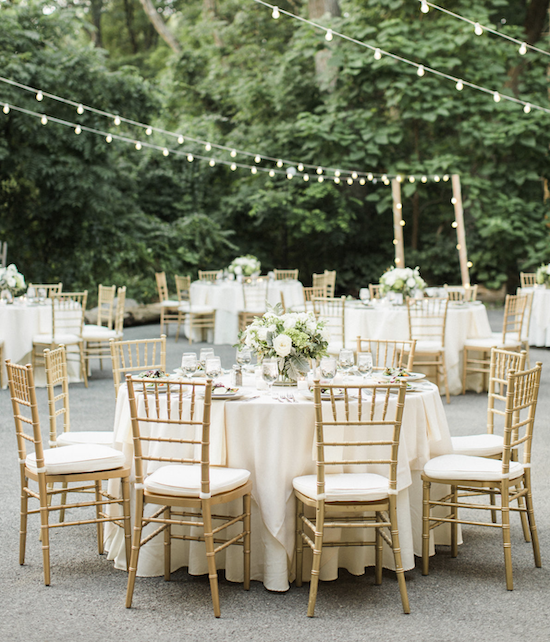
{"points": [[83, 372], [531, 518], [317, 551], [425, 527], [132, 566], [246, 541], [397, 555], [23, 519], [379, 549], [167, 545], [98, 517], [506, 542], [44, 527], [299, 542], [126, 519], [492, 500], [210, 556], [454, 524]]}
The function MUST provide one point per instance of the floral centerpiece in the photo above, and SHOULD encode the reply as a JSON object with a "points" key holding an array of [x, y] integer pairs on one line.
{"points": [[245, 266], [292, 338], [401, 280], [11, 279], [543, 275]]}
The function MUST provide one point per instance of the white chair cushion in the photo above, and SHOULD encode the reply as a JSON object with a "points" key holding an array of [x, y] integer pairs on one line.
{"points": [[185, 480], [464, 467], [184, 306], [102, 437], [170, 303], [345, 487], [65, 338], [85, 458], [494, 341], [430, 347], [483, 445], [201, 309], [99, 333]]}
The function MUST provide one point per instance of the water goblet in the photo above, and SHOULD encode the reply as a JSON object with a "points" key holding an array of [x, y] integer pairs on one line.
{"points": [[189, 363], [244, 356], [204, 354], [31, 296], [213, 367], [6, 296], [345, 360], [364, 364], [270, 372], [41, 296], [328, 368]]}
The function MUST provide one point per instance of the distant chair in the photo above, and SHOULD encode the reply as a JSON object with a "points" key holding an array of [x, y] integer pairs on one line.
{"points": [[255, 300], [528, 279], [313, 293], [50, 288], [132, 357], [168, 307], [388, 353], [330, 281], [374, 289], [461, 293], [332, 311], [210, 275], [201, 317], [183, 289], [526, 323], [285, 275]]}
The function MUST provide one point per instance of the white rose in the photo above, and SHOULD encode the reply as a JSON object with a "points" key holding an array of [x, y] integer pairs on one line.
{"points": [[311, 326], [411, 282], [290, 322], [262, 334], [238, 270], [282, 345], [272, 329], [325, 334]]}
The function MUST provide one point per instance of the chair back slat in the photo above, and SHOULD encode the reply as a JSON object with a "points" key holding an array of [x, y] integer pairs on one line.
{"points": [[388, 353], [255, 296], [105, 305], [50, 288], [120, 308], [183, 288], [466, 294], [332, 311], [68, 310], [330, 282], [210, 275], [427, 319], [528, 279], [129, 357], [162, 286], [286, 275], [514, 311], [58, 403]]}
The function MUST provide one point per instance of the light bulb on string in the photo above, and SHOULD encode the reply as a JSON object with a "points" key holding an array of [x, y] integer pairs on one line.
{"points": [[399, 178], [377, 54], [271, 173], [233, 153], [253, 170], [289, 176], [44, 120], [527, 108], [469, 264], [116, 121], [77, 130], [384, 178], [399, 206], [354, 175], [350, 181], [275, 13], [319, 170], [300, 167], [212, 162], [208, 147], [6, 109], [108, 138], [424, 6], [436, 179], [362, 181], [446, 177], [190, 158], [402, 223], [459, 85], [375, 180], [458, 246], [411, 179], [370, 177], [80, 109], [337, 173], [336, 180], [420, 71], [320, 179], [523, 49], [39, 96], [328, 35], [306, 177], [181, 139], [386, 182], [496, 97], [424, 179], [395, 241], [397, 260], [148, 131], [453, 200], [138, 145], [233, 167], [257, 158], [165, 152], [279, 163], [454, 224], [478, 29]]}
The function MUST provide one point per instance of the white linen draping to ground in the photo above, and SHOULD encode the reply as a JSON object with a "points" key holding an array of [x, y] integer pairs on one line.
{"points": [[274, 441], [19, 322], [539, 326], [226, 297], [464, 321]]}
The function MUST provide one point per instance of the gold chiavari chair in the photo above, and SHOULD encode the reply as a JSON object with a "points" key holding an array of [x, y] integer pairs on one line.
{"points": [[131, 357], [183, 289], [427, 324], [210, 275], [50, 288], [110, 325], [185, 488], [255, 302], [200, 317], [313, 293], [505, 478], [68, 309], [330, 281], [477, 351], [286, 275], [526, 322], [319, 281], [351, 500], [332, 311], [460, 293], [168, 307], [374, 289], [528, 279], [388, 353], [85, 465]]}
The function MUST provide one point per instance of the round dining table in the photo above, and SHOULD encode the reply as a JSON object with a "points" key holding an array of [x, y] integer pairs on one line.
{"points": [[381, 320], [539, 324], [273, 437], [227, 298]]}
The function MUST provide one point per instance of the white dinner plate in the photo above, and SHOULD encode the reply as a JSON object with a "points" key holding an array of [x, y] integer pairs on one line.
{"points": [[228, 395], [412, 376], [325, 396]]}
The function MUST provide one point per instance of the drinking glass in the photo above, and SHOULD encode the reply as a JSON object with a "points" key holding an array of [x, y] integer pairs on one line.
{"points": [[204, 354], [345, 360], [270, 372], [31, 295], [41, 296], [244, 356], [189, 363], [328, 368], [213, 367], [6, 296], [364, 364]]}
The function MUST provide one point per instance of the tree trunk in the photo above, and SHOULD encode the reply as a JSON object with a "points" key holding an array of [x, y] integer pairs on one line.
{"points": [[326, 75], [159, 25], [129, 14], [415, 221], [96, 9], [535, 19]]}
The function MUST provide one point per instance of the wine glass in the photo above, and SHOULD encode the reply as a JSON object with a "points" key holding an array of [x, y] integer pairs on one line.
{"points": [[270, 372], [364, 364], [345, 360], [189, 363], [6, 296], [205, 354], [41, 296], [244, 356], [213, 367], [328, 368], [31, 296]]}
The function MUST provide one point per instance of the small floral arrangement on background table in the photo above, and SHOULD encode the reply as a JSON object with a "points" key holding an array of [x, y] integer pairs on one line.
{"points": [[245, 266], [404, 281], [292, 338], [12, 280], [543, 275]]}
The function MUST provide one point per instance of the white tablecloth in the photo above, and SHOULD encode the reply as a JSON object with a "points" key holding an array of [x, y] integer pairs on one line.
{"points": [[539, 326], [226, 298], [383, 321], [274, 441]]}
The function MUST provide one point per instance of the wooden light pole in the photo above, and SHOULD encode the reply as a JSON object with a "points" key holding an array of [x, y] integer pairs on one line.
{"points": [[398, 223]]}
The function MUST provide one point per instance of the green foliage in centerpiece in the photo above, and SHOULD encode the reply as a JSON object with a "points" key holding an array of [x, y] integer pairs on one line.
{"points": [[402, 280], [245, 266], [543, 275], [11, 279], [293, 339]]}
